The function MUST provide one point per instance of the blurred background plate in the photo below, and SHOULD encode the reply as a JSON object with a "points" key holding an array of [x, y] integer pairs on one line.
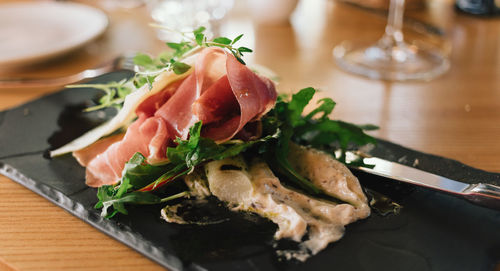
{"points": [[34, 32]]}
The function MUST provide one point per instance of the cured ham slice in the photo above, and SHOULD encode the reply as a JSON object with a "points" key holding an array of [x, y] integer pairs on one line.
{"points": [[221, 92], [255, 96], [148, 136], [87, 154]]}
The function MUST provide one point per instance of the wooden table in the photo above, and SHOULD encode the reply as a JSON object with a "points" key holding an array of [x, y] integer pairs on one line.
{"points": [[456, 115]]}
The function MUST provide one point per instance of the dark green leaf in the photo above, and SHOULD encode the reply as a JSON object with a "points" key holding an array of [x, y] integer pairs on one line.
{"points": [[181, 153], [138, 173], [297, 104], [244, 50], [240, 59], [139, 198], [237, 39], [368, 127], [118, 204], [222, 40], [180, 67], [321, 132], [326, 108], [197, 150]]}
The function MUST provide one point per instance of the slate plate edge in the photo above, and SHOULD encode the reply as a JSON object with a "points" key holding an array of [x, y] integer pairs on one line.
{"points": [[108, 227]]}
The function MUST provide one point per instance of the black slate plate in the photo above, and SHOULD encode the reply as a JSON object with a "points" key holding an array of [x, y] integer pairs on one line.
{"points": [[434, 231]]}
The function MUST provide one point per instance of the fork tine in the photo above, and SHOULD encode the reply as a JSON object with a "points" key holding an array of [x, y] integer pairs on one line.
{"points": [[127, 62]]}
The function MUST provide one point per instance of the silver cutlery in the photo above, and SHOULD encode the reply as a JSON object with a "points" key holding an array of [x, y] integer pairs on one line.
{"points": [[480, 193]]}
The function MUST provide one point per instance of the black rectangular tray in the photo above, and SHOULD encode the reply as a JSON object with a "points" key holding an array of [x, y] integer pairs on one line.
{"points": [[434, 231]]}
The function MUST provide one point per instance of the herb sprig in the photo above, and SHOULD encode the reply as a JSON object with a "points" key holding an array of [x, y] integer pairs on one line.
{"points": [[147, 67], [114, 94], [173, 60], [316, 129]]}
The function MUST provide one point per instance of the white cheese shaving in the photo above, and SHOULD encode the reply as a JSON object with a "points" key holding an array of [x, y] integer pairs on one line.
{"points": [[126, 113]]}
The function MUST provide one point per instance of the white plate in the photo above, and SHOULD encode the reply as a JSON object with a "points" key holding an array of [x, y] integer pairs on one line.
{"points": [[36, 31]]}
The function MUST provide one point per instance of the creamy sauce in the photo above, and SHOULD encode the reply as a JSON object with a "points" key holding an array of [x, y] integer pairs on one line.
{"points": [[197, 184], [251, 186], [170, 214], [325, 220], [330, 175]]}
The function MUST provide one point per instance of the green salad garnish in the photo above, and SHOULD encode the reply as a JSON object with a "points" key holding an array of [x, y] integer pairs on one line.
{"points": [[283, 124]]}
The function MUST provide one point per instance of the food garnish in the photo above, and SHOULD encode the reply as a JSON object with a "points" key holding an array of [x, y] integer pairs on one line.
{"points": [[200, 123]]}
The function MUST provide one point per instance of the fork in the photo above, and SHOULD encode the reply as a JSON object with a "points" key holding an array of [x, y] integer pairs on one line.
{"points": [[122, 62]]}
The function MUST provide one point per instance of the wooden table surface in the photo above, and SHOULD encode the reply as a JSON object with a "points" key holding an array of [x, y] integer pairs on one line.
{"points": [[456, 115]]}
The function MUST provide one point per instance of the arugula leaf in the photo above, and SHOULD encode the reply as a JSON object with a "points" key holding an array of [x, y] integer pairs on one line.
{"points": [[326, 108], [118, 203], [138, 173], [293, 113], [320, 132], [285, 117], [197, 149], [105, 193]]}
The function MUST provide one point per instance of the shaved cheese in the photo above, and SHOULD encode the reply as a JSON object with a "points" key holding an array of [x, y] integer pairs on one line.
{"points": [[126, 113]]}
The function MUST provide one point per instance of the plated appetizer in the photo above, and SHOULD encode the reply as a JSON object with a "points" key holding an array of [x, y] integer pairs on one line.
{"points": [[198, 123]]}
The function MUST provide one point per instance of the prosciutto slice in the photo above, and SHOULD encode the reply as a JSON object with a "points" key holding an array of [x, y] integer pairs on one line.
{"points": [[221, 92], [253, 94]]}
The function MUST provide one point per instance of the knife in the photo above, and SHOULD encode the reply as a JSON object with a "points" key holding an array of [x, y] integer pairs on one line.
{"points": [[484, 194]]}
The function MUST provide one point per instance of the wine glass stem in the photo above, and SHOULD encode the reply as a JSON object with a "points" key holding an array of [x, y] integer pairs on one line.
{"points": [[393, 30]]}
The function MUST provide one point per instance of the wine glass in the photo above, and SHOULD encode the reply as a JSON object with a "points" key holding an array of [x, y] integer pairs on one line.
{"points": [[391, 58], [187, 15]]}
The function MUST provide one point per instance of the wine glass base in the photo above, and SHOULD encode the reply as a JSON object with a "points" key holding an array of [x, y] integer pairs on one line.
{"points": [[396, 63]]}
